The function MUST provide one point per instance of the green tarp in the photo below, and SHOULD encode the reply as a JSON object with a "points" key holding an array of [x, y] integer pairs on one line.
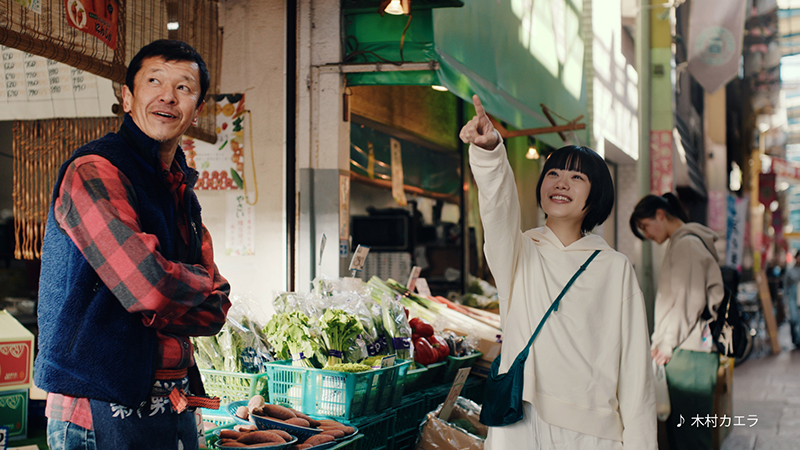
{"points": [[514, 54]]}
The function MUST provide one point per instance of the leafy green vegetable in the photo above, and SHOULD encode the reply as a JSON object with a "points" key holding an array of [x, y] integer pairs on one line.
{"points": [[291, 335], [348, 367], [339, 330]]}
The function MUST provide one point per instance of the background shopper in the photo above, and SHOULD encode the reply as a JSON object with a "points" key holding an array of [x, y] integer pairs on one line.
{"points": [[588, 378], [791, 277], [128, 271], [690, 281]]}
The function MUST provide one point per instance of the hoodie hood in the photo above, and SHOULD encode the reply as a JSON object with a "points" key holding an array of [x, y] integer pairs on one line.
{"points": [[708, 235], [590, 242]]}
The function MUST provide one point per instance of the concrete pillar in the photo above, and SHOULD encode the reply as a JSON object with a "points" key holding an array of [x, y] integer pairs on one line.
{"points": [[323, 144]]}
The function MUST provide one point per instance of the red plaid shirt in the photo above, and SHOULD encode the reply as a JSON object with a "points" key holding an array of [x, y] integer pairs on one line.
{"points": [[94, 207]]}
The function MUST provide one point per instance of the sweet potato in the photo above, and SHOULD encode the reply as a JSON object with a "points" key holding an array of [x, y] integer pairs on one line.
{"points": [[230, 434], [240, 427], [229, 443], [297, 422], [242, 412], [318, 439], [256, 402], [335, 432], [330, 422], [313, 423], [260, 437], [286, 436], [278, 411]]}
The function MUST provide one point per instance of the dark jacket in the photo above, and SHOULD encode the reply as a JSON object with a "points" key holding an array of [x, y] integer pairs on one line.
{"points": [[89, 344]]}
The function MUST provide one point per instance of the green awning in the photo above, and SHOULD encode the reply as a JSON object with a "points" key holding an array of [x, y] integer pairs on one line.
{"points": [[515, 57]]}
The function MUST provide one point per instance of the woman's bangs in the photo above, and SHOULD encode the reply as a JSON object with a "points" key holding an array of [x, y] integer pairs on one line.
{"points": [[567, 159]]}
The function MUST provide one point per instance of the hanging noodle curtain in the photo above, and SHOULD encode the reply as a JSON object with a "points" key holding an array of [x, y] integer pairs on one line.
{"points": [[40, 147], [48, 33]]}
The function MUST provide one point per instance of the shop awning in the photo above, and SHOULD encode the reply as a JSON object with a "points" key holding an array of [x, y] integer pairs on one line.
{"points": [[514, 57]]}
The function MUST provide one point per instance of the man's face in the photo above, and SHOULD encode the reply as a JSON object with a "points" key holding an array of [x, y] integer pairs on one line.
{"points": [[164, 99]]}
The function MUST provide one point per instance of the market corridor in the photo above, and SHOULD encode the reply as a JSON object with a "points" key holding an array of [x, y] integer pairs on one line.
{"points": [[768, 389]]}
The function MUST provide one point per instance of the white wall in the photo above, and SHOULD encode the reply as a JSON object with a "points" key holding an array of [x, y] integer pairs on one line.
{"points": [[253, 63], [615, 81]]}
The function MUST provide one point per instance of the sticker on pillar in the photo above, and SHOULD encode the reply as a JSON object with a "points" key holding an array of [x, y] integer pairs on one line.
{"points": [[240, 226], [344, 206], [344, 248], [398, 193]]}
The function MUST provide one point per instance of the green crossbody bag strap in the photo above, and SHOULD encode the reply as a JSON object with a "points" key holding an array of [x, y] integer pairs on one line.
{"points": [[554, 306]]}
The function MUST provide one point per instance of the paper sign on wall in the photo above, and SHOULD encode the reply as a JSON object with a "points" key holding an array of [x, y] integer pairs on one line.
{"points": [[98, 18], [221, 165], [240, 226]]}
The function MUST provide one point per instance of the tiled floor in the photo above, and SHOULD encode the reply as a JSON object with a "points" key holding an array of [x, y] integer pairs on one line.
{"points": [[769, 389]]}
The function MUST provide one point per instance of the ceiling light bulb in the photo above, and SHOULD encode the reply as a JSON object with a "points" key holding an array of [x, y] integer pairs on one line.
{"points": [[395, 8], [532, 153], [172, 26], [437, 87]]}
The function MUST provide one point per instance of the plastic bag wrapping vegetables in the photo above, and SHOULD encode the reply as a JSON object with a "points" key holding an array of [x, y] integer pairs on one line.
{"points": [[358, 303], [396, 327], [462, 430], [292, 336], [238, 347], [340, 330]]}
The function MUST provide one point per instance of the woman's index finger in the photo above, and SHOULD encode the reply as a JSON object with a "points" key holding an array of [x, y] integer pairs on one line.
{"points": [[478, 106]]}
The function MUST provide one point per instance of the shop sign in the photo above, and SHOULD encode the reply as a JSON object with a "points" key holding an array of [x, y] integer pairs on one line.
{"points": [[715, 41], [737, 222], [661, 161], [98, 18]]}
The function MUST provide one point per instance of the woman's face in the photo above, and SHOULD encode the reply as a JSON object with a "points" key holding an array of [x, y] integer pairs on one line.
{"points": [[564, 193], [654, 228]]}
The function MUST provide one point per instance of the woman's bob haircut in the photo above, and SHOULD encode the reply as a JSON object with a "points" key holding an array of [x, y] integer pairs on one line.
{"points": [[588, 162]]}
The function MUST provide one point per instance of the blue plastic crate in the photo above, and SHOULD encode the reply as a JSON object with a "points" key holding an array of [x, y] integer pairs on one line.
{"points": [[339, 395]]}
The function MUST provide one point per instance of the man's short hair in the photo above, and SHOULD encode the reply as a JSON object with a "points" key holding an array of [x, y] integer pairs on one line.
{"points": [[169, 50], [588, 162]]}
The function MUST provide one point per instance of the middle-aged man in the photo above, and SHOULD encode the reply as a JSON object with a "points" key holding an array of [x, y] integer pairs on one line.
{"points": [[128, 272]]}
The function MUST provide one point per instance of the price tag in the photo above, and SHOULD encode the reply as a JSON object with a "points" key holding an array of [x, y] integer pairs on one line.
{"points": [[3, 438], [422, 287], [388, 361], [458, 383], [359, 256], [412, 279]]}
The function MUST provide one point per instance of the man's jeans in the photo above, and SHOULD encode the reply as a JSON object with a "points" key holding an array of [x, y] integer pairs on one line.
{"points": [[68, 436]]}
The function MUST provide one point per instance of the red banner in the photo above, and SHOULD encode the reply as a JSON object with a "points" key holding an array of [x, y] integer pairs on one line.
{"points": [[98, 18]]}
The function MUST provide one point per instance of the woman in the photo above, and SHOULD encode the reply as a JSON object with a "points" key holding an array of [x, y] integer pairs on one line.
{"points": [[588, 377], [791, 278], [690, 283]]}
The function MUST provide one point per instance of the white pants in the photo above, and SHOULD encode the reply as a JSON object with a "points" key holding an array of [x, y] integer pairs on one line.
{"points": [[534, 433]]}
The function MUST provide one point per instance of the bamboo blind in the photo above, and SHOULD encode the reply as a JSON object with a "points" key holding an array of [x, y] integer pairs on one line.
{"points": [[140, 22], [39, 148]]}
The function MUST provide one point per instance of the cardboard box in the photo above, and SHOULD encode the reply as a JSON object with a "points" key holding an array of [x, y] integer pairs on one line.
{"points": [[16, 354], [14, 413]]}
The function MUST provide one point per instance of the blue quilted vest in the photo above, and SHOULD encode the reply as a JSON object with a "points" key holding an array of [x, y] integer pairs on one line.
{"points": [[89, 345]]}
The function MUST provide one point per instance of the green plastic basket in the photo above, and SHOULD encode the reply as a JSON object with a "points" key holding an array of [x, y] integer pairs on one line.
{"points": [[231, 386], [424, 376], [378, 431], [454, 363], [343, 395], [410, 413]]}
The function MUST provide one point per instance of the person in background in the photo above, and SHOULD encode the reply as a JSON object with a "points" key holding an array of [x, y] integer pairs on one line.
{"points": [[128, 272], [588, 378], [791, 295], [689, 283]]}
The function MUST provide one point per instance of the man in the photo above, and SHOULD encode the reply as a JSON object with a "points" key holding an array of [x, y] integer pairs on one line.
{"points": [[128, 272]]}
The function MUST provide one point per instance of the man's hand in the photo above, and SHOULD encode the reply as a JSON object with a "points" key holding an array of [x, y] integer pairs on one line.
{"points": [[479, 130]]}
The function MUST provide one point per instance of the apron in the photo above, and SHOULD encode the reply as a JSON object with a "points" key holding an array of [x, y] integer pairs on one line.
{"points": [[155, 426]]}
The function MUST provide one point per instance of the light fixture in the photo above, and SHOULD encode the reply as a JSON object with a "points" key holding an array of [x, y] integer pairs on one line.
{"points": [[532, 153], [394, 7], [439, 88], [172, 26]]}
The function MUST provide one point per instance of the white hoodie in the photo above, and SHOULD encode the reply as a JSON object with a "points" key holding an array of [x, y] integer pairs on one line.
{"points": [[589, 369], [690, 279]]}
